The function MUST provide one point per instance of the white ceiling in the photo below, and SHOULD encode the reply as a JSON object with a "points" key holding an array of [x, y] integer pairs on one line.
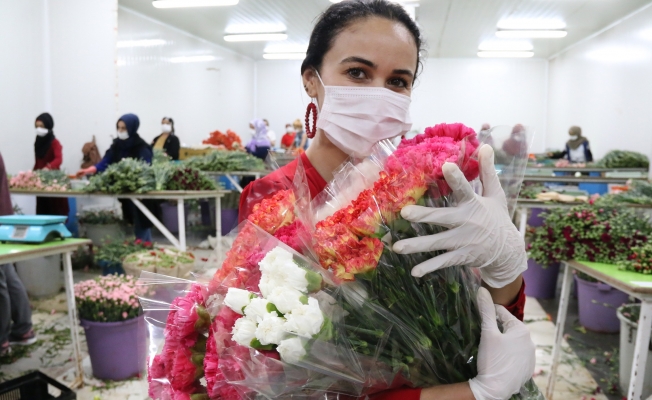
{"points": [[452, 28]]}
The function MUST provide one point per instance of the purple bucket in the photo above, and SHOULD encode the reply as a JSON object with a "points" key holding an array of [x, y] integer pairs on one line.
{"points": [[117, 349], [540, 282], [598, 303], [536, 217], [229, 220], [170, 216]]}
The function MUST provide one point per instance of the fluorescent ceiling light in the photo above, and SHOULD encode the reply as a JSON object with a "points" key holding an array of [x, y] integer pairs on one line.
{"points": [[284, 56], [531, 24], [255, 37], [531, 34], [619, 54], [505, 54], [506, 46], [286, 48], [408, 2], [255, 28], [141, 43], [192, 3], [189, 59]]}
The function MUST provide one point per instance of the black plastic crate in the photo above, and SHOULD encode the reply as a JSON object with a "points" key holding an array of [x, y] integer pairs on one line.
{"points": [[35, 386]]}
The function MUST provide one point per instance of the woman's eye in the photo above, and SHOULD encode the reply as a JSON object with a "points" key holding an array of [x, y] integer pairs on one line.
{"points": [[401, 83], [356, 73]]}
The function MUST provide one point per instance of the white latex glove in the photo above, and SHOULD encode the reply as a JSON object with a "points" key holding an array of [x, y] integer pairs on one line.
{"points": [[505, 360], [481, 232]]}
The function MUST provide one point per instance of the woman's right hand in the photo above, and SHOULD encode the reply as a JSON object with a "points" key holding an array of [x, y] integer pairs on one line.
{"points": [[86, 171], [506, 360]]}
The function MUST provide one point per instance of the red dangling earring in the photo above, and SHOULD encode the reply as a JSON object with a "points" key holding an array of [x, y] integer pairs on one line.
{"points": [[312, 107]]}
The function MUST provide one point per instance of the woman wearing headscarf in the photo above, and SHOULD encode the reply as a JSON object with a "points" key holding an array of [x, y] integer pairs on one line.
{"points": [[128, 144], [167, 140], [577, 147], [259, 144], [516, 145], [48, 154]]}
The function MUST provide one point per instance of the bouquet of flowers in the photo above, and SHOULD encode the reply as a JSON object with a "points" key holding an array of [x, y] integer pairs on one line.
{"points": [[127, 176], [114, 251], [307, 306], [110, 298], [99, 217], [639, 259], [51, 181], [226, 161], [588, 232], [230, 140]]}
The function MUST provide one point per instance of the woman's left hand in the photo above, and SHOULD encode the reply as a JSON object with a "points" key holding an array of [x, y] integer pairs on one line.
{"points": [[481, 233]]}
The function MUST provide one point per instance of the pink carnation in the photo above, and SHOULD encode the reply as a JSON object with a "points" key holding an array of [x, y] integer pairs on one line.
{"points": [[211, 365], [184, 373], [291, 235]]}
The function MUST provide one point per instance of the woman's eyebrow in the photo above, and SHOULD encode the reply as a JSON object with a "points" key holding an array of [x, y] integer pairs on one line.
{"points": [[359, 60], [406, 72]]}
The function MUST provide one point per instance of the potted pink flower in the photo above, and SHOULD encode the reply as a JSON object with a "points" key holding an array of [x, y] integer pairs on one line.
{"points": [[110, 313]]}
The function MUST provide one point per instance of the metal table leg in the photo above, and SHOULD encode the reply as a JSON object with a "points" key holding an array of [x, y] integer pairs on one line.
{"points": [[218, 227], [559, 329], [72, 316], [640, 352], [181, 215], [159, 225], [234, 182]]}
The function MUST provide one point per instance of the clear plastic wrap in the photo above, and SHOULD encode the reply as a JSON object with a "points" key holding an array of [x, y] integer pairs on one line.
{"points": [[311, 301]]}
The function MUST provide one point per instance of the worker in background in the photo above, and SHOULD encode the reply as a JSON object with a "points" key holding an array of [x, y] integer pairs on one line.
{"points": [[48, 155], [15, 311], [287, 141], [271, 135], [577, 147], [167, 140]]}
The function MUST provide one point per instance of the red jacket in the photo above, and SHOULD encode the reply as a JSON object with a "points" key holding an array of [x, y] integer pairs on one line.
{"points": [[282, 179], [52, 160]]}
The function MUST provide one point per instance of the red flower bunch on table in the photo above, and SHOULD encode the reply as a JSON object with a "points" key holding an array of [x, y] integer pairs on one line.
{"points": [[230, 140], [347, 242]]}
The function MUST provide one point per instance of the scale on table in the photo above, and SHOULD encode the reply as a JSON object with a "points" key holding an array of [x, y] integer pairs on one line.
{"points": [[33, 228]]}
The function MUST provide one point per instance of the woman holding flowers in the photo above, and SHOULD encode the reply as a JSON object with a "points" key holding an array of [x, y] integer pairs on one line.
{"points": [[360, 67]]}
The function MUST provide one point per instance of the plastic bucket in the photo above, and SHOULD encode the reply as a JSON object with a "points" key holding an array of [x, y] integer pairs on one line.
{"points": [[597, 305], [540, 282], [117, 349], [98, 233], [628, 331], [170, 216], [536, 217], [228, 217], [41, 276]]}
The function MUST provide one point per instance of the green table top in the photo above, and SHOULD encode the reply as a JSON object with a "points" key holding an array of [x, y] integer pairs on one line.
{"points": [[10, 251], [609, 273]]}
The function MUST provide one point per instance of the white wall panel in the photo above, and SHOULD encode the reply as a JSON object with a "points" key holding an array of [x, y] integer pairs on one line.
{"points": [[471, 91], [83, 73], [22, 94], [200, 96], [605, 86]]}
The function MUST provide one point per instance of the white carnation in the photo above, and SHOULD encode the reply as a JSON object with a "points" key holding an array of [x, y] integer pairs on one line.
{"points": [[237, 299], [276, 257], [256, 310], [270, 329], [285, 299], [305, 321], [291, 350], [244, 331]]}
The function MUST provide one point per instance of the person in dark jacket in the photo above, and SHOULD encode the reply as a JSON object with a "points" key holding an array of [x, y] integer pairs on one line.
{"points": [[577, 147], [167, 140], [128, 144], [48, 154], [15, 311]]}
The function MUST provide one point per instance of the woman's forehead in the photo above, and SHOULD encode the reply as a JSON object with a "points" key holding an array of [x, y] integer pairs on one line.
{"points": [[387, 44]]}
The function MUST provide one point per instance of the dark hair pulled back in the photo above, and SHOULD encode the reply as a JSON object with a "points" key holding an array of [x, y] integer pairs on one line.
{"points": [[340, 15]]}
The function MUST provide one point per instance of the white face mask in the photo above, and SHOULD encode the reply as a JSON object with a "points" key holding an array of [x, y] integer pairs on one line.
{"points": [[573, 137], [166, 128], [123, 135], [41, 132], [252, 131], [289, 129], [356, 118]]}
